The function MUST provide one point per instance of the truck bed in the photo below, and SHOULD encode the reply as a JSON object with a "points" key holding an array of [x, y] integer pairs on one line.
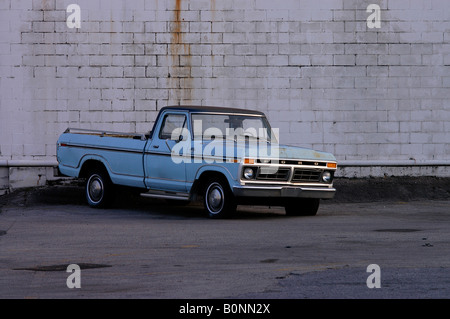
{"points": [[121, 153]]}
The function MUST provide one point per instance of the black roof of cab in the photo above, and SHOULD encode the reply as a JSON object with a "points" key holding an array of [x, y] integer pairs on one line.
{"points": [[215, 109]]}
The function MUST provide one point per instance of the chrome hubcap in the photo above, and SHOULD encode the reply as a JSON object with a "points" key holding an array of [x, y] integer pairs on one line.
{"points": [[215, 198], [95, 188]]}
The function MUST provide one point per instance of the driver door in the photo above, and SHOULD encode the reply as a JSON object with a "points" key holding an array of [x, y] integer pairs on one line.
{"points": [[164, 169]]}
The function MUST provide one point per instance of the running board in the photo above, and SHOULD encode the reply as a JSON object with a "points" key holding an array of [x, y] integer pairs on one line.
{"points": [[166, 195]]}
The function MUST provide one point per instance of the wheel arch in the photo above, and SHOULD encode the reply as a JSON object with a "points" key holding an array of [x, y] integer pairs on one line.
{"points": [[91, 163], [209, 172]]}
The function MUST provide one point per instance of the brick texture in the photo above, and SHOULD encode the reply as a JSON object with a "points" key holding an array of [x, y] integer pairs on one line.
{"points": [[321, 75]]}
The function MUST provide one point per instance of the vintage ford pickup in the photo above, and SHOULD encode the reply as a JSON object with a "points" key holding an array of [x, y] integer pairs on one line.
{"points": [[223, 156]]}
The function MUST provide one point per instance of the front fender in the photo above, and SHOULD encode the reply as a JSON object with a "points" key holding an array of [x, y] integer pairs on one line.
{"points": [[229, 170]]}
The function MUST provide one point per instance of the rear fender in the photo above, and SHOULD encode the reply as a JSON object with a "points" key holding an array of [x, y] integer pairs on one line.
{"points": [[94, 158]]}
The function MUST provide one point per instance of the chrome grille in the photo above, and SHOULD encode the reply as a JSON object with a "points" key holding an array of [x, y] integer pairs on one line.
{"points": [[306, 175], [282, 174]]}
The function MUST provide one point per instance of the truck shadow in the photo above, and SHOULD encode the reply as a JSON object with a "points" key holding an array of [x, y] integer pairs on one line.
{"points": [[126, 200], [179, 210]]}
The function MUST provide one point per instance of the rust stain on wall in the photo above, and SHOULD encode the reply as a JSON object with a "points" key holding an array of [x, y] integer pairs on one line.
{"points": [[213, 9], [180, 70], [176, 33], [213, 17]]}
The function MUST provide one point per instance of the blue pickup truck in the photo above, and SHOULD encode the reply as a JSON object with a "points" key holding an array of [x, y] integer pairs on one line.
{"points": [[222, 156]]}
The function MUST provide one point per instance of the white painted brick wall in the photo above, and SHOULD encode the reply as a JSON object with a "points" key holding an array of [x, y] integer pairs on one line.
{"points": [[321, 76]]}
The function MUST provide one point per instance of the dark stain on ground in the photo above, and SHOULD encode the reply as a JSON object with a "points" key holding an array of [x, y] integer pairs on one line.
{"points": [[63, 267], [268, 261], [397, 230]]}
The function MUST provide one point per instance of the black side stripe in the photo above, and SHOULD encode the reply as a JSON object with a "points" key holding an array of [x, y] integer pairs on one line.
{"points": [[103, 148]]}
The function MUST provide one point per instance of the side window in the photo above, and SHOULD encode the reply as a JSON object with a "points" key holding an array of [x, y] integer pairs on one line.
{"points": [[172, 126]]}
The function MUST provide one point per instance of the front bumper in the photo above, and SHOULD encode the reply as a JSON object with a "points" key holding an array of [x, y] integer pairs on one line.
{"points": [[284, 191]]}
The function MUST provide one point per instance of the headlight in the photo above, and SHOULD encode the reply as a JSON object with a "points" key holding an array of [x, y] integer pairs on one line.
{"points": [[327, 177], [248, 173]]}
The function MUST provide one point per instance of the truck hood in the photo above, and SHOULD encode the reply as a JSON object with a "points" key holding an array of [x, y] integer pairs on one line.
{"points": [[266, 151], [293, 152]]}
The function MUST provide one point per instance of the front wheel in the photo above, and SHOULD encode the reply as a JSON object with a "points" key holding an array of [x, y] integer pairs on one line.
{"points": [[218, 200], [302, 207], [98, 189]]}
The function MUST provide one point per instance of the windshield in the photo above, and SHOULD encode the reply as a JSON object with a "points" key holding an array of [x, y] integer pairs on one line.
{"points": [[230, 126]]}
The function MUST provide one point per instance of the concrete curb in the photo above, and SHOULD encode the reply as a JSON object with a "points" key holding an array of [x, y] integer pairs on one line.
{"points": [[392, 188]]}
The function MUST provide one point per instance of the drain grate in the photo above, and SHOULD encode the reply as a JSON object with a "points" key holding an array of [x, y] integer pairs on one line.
{"points": [[62, 267], [398, 230]]}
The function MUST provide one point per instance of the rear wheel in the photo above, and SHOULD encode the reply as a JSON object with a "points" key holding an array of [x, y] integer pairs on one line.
{"points": [[302, 207], [98, 189], [218, 199]]}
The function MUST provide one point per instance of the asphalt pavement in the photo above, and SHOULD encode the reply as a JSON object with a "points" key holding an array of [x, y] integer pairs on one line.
{"points": [[142, 248]]}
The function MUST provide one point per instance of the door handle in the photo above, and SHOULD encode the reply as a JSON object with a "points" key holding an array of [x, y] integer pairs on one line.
{"points": [[155, 146]]}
